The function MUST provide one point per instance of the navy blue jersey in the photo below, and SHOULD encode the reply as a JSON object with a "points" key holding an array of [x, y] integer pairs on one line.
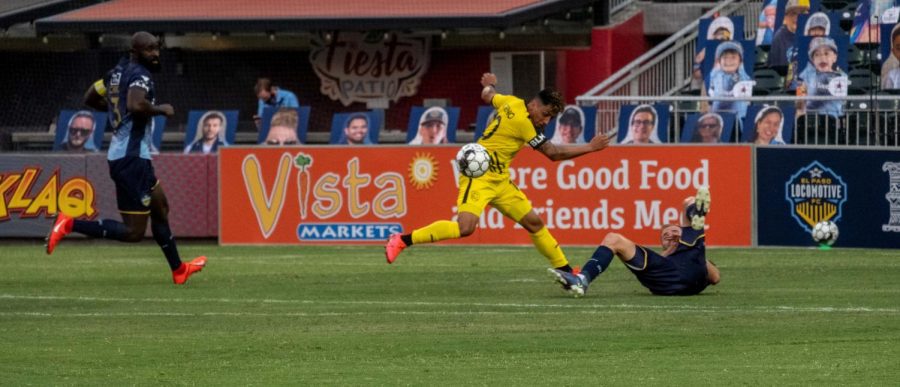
{"points": [[111, 82], [132, 135], [690, 257], [681, 273]]}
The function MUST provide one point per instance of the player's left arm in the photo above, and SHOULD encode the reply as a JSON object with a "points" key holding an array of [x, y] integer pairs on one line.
{"points": [[564, 152], [712, 273]]}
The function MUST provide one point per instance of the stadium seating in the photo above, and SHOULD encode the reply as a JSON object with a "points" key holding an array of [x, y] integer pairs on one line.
{"points": [[819, 130], [768, 82], [862, 81], [762, 55]]}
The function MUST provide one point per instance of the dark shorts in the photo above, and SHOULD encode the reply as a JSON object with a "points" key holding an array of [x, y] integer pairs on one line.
{"points": [[674, 275], [135, 181]]}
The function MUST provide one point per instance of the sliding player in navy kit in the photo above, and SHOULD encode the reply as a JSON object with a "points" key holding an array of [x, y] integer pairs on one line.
{"points": [[680, 269]]}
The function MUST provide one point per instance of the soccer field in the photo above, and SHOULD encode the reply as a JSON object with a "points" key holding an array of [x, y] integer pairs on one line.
{"points": [[103, 313]]}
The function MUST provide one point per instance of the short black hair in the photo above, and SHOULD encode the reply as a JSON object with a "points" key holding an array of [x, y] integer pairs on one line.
{"points": [[263, 83], [356, 116], [553, 99]]}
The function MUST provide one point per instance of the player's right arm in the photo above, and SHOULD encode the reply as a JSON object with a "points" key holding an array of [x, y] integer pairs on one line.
{"points": [[564, 152], [488, 91], [712, 273], [95, 96], [138, 104]]}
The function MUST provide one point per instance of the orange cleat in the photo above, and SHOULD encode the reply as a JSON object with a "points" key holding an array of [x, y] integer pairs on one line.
{"points": [[181, 275], [393, 248], [61, 227]]}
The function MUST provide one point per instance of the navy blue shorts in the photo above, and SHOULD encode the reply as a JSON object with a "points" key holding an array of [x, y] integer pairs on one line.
{"points": [[135, 181], [657, 273]]}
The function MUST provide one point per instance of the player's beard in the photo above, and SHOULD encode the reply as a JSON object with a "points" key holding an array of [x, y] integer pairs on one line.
{"points": [[154, 66]]}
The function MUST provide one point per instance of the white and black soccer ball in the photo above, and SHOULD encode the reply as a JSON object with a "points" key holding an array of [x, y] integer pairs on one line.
{"points": [[825, 232], [473, 160]]}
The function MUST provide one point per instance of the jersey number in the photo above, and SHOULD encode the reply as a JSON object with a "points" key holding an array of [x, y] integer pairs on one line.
{"points": [[493, 128]]}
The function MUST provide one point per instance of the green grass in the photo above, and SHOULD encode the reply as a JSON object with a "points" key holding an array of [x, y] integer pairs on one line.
{"points": [[105, 313]]}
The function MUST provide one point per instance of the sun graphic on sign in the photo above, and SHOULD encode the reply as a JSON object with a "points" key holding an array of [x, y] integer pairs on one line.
{"points": [[423, 171]]}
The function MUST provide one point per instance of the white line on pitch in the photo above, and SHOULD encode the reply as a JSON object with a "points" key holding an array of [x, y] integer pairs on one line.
{"points": [[774, 308]]}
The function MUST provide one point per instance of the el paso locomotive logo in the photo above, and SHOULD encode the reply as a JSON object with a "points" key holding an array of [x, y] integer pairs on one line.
{"points": [[815, 193], [358, 66]]}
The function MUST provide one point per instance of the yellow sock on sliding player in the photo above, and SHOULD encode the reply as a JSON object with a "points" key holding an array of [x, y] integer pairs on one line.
{"points": [[437, 231], [547, 245]]}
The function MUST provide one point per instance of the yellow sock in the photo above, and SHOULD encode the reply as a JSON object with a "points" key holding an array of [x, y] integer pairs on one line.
{"points": [[437, 231], [547, 245]]}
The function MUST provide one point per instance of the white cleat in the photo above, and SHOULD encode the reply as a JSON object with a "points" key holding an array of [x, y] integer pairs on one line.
{"points": [[570, 282], [701, 208]]}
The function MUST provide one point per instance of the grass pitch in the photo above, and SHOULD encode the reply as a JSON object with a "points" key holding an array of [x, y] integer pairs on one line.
{"points": [[105, 313]]}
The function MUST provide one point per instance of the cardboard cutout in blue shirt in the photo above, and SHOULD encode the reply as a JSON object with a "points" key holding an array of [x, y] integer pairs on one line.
{"points": [[589, 126], [693, 120], [753, 113], [747, 59], [703, 30], [194, 130], [92, 144], [266, 123], [339, 121], [834, 28], [661, 127], [415, 115], [842, 41]]}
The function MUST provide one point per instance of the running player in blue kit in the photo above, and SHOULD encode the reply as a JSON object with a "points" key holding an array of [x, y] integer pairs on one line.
{"points": [[680, 269], [138, 193]]}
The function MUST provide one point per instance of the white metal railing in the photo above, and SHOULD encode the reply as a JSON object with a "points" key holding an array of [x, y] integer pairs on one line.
{"points": [[667, 66], [867, 120], [618, 5]]}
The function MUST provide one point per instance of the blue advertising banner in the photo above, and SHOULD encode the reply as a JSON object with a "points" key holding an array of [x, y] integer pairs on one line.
{"points": [[859, 190]]}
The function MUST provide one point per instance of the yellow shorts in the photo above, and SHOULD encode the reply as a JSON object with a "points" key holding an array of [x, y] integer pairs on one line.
{"points": [[475, 194]]}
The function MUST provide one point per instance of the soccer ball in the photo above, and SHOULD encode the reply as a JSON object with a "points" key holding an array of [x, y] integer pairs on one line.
{"points": [[473, 160], [825, 232]]}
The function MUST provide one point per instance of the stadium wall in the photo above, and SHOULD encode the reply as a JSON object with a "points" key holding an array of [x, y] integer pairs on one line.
{"points": [[35, 187], [320, 195], [857, 189], [378, 190], [612, 47]]}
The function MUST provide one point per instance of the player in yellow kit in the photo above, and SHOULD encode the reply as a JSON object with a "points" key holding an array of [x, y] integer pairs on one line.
{"points": [[515, 125]]}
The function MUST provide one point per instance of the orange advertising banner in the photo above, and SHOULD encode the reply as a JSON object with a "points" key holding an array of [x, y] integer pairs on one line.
{"points": [[341, 195]]}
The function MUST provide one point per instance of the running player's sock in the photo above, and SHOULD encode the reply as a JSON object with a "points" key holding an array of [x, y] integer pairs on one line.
{"points": [[597, 264], [163, 236], [106, 228], [407, 238], [549, 247], [566, 268], [437, 231]]}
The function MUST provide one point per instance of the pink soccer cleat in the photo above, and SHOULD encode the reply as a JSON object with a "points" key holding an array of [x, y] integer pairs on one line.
{"points": [[393, 248], [61, 227], [181, 275]]}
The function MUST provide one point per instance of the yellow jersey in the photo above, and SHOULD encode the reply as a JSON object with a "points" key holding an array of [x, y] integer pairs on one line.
{"points": [[505, 135]]}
